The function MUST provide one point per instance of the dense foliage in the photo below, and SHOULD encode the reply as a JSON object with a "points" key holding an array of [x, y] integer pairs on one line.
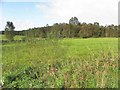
{"points": [[9, 31], [64, 30], [61, 63]]}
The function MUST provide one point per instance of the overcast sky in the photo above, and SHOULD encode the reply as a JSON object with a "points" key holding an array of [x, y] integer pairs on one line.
{"points": [[37, 13]]}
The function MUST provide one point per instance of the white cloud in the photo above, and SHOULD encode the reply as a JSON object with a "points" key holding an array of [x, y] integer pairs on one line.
{"points": [[42, 7], [24, 0], [1, 17], [20, 25], [103, 11]]}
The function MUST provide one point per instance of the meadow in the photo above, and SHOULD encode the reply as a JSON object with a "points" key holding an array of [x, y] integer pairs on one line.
{"points": [[61, 63]]}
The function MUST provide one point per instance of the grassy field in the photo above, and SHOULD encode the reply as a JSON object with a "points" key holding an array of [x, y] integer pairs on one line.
{"points": [[64, 63], [2, 37]]}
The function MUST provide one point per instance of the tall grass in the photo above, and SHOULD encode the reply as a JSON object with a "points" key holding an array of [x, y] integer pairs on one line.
{"points": [[67, 63]]}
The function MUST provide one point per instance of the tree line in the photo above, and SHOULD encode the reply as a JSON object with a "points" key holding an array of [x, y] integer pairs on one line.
{"points": [[64, 30]]}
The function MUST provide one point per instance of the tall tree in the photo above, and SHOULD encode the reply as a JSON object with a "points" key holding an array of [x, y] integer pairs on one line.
{"points": [[9, 31], [74, 20]]}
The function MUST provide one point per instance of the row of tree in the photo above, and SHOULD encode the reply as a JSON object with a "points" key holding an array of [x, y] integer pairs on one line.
{"points": [[71, 30], [64, 30]]}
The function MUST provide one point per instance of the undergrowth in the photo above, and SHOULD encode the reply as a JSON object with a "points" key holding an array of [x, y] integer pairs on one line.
{"points": [[48, 64]]}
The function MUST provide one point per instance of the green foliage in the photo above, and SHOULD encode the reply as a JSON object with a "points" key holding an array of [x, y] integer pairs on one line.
{"points": [[9, 35], [64, 30], [65, 63], [9, 31]]}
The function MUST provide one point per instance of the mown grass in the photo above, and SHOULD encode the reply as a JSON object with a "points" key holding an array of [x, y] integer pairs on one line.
{"points": [[65, 63]]}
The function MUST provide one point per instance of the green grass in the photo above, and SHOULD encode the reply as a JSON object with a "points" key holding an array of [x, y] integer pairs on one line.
{"points": [[65, 63], [17, 37]]}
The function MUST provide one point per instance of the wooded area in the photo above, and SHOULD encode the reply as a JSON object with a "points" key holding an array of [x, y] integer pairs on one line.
{"points": [[74, 29], [64, 30]]}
